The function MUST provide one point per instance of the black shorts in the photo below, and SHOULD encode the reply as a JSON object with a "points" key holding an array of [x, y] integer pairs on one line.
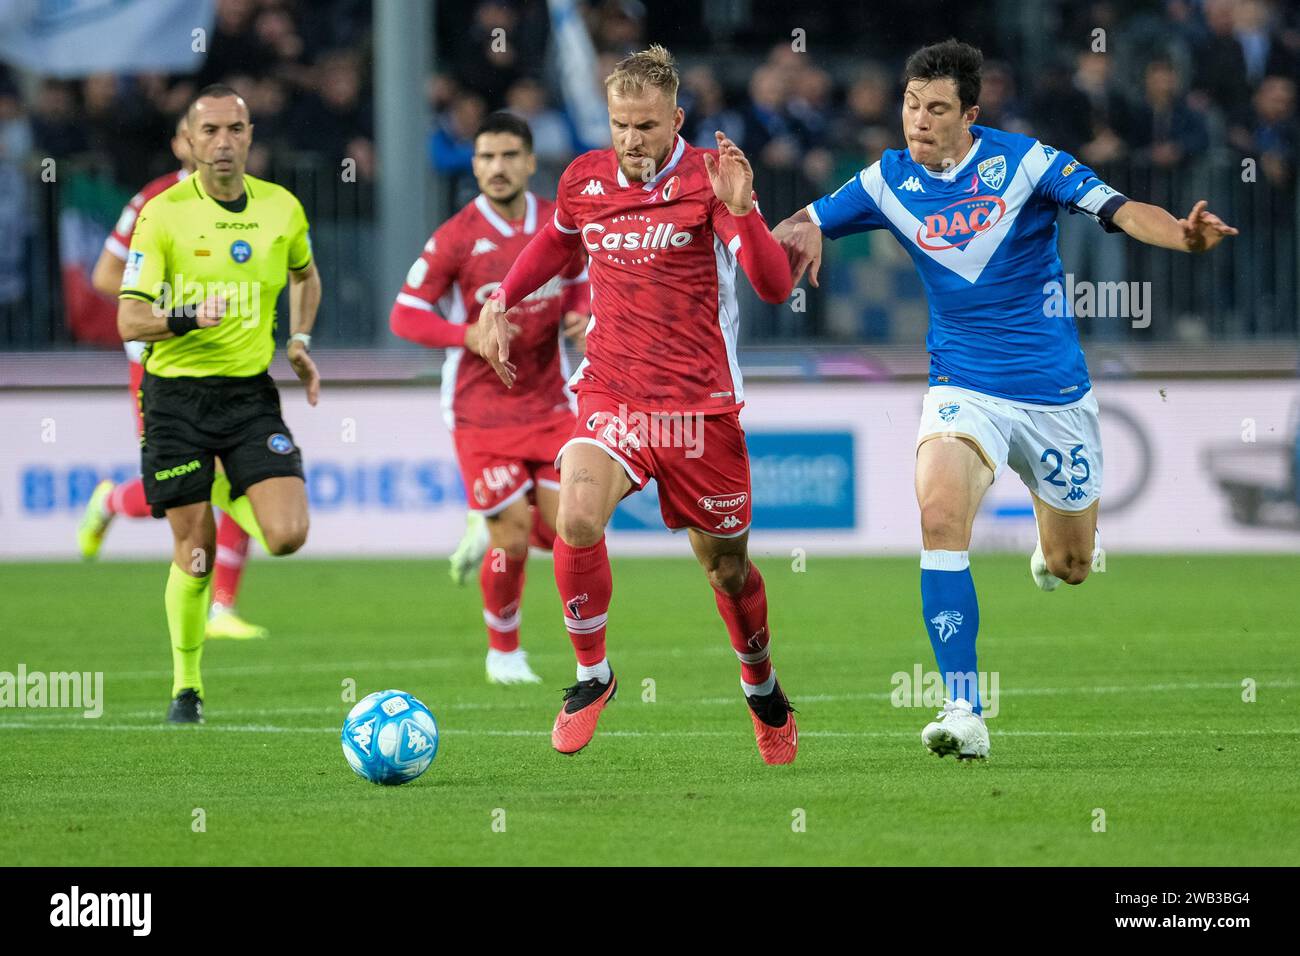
{"points": [[190, 422]]}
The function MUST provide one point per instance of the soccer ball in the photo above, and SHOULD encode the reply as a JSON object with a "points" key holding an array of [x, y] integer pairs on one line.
{"points": [[390, 737]]}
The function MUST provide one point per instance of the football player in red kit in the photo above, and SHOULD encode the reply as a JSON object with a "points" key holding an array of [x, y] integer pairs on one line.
{"points": [[665, 225], [506, 439], [127, 498]]}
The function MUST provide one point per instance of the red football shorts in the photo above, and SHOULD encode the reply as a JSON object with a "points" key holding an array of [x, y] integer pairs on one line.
{"points": [[699, 461], [501, 465]]}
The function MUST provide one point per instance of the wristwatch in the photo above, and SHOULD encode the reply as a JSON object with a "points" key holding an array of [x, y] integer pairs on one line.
{"points": [[302, 337]]}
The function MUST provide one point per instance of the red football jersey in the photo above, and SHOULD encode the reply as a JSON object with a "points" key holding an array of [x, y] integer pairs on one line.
{"points": [[461, 265], [118, 242], [663, 283]]}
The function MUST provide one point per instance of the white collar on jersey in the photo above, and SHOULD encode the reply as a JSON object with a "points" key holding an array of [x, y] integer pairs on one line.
{"points": [[499, 224], [952, 173], [654, 180]]}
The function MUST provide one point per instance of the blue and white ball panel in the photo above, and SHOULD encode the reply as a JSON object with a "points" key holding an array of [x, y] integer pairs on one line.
{"points": [[1055, 451], [389, 737]]}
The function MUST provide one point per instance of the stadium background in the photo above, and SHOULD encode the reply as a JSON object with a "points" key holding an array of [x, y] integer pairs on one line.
{"points": [[366, 112]]}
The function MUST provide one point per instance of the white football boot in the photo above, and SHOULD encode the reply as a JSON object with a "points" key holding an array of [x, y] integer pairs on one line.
{"points": [[1044, 578], [510, 667], [957, 730], [1048, 581], [468, 555]]}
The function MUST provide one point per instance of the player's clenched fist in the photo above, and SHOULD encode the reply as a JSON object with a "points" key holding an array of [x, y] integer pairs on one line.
{"points": [[211, 310], [493, 337]]}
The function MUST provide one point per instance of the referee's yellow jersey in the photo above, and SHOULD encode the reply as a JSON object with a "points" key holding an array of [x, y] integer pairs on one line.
{"points": [[188, 246]]}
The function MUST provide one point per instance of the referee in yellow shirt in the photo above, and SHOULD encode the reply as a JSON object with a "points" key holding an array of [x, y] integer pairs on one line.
{"points": [[207, 261]]}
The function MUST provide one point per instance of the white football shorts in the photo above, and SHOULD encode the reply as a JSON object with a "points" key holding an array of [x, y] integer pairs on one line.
{"points": [[1055, 451]]}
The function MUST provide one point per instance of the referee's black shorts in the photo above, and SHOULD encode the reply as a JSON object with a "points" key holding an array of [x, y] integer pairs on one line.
{"points": [[189, 422]]}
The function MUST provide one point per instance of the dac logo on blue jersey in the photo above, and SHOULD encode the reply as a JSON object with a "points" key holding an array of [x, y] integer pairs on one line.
{"points": [[956, 224], [241, 251], [280, 444]]}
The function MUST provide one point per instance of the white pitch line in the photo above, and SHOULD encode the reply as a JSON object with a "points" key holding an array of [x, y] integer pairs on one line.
{"points": [[1035, 691], [853, 734], [504, 705], [516, 704], [343, 667]]}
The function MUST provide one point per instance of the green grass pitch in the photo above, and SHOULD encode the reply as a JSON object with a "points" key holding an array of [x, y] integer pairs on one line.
{"points": [[1124, 696]]}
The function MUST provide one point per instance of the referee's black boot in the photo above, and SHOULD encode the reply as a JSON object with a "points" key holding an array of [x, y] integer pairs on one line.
{"points": [[187, 708]]}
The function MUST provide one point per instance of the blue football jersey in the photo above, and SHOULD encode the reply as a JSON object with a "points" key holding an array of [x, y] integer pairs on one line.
{"points": [[983, 236]]}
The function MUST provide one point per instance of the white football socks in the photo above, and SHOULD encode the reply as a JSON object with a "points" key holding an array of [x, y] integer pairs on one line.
{"points": [[600, 672]]}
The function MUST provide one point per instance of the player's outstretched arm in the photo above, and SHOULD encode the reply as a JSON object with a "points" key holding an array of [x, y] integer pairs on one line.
{"points": [[544, 257], [761, 256], [1201, 231], [304, 300], [801, 238]]}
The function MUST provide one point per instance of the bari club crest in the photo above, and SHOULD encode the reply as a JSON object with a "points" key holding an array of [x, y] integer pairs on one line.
{"points": [[574, 604]]}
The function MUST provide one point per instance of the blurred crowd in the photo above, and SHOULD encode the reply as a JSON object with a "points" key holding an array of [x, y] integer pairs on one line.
{"points": [[302, 66], [1171, 81], [1175, 78], [1150, 86]]}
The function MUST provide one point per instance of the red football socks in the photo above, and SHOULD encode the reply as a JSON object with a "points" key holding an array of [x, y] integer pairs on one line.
{"points": [[746, 617], [502, 580], [128, 499], [232, 552], [585, 583]]}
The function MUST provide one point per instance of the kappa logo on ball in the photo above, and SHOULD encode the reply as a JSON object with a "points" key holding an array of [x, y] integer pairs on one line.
{"points": [[724, 504], [362, 734], [280, 444], [948, 410], [416, 742]]}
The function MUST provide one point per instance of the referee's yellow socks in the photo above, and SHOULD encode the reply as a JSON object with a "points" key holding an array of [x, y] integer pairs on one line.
{"points": [[187, 616], [240, 509]]}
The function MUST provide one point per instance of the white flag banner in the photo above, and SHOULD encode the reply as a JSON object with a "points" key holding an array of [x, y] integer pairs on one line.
{"points": [[73, 38], [574, 58]]}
